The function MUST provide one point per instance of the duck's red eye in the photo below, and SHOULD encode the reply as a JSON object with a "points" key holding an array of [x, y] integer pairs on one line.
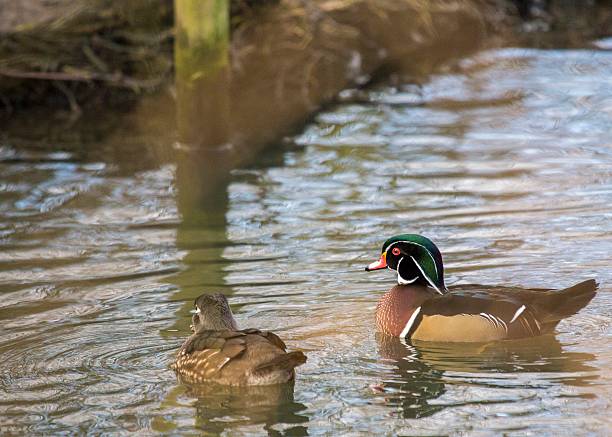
{"points": [[395, 251]]}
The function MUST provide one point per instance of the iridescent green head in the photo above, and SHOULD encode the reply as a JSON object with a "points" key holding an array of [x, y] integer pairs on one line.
{"points": [[416, 260]]}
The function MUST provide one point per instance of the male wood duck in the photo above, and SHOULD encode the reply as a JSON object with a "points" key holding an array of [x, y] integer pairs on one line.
{"points": [[217, 351], [420, 307]]}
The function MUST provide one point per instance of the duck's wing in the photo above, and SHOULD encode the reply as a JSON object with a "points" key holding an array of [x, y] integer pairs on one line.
{"points": [[248, 357], [205, 353], [548, 306], [270, 336], [273, 364], [473, 316]]}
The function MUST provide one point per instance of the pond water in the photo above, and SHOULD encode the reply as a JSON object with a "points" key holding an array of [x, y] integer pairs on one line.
{"points": [[505, 162]]}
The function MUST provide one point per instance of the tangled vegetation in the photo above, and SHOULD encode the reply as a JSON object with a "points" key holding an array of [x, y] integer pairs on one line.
{"points": [[116, 44]]}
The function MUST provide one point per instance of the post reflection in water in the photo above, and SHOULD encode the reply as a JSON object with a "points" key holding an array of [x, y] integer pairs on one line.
{"points": [[202, 235], [424, 371], [204, 157]]}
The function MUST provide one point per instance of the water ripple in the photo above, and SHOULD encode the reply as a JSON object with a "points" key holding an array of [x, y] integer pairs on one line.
{"points": [[505, 162]]}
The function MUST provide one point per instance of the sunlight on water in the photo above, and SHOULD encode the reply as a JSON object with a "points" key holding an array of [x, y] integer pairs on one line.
{"points": [[505, 162]]}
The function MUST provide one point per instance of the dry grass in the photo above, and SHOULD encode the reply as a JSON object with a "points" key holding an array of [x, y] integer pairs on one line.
{"points": [[106, 44]]}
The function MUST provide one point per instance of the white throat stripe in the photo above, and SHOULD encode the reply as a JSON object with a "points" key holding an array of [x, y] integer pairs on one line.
{"points": [[400, 280]]}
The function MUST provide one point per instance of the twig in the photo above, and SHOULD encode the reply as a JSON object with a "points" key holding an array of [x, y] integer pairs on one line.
{"points": [[116, 79], [74, 106]]}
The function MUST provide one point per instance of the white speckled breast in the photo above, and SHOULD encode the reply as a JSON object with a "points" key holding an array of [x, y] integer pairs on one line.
{"points": [[397, 305]]}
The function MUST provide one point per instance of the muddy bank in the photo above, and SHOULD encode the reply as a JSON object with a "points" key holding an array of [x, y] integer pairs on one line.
{"points": [[279, 79], [74, 54], [113, 60], [70, 54], [297, 56]]}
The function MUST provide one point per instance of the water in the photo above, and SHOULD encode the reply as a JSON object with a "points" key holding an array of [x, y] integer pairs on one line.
{"points": [[505, 161]]}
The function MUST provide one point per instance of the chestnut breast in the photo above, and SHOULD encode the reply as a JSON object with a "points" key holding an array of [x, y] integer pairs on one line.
{"points": [[397, 305]]}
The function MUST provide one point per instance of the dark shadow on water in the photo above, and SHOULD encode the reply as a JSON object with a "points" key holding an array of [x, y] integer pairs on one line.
{"points": [[423, 369]]}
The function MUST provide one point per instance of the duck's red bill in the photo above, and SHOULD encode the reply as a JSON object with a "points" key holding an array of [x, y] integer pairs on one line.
{"points": [[380, 264]]}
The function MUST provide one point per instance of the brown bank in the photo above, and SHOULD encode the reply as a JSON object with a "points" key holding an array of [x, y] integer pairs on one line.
{"points": [[286, 59]]}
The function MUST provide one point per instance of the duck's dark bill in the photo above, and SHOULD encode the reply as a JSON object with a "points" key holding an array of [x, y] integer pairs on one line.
{"points": [[380, 264]]}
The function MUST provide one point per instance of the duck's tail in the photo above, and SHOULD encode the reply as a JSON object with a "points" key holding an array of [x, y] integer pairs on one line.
{"points": [[556, 305]]}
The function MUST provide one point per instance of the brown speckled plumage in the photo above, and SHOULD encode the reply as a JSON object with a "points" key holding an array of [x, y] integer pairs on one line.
{"points": [[231, 356], [396, 306]]}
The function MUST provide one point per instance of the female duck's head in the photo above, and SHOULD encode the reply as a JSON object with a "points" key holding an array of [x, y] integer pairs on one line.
{"points": [[416, 260], [212, 313]]}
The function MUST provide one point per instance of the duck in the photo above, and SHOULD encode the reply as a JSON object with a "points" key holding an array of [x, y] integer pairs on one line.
{"points": [[421, 307], [217, 351]]}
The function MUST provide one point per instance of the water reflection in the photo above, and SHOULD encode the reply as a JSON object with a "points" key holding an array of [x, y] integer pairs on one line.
{"points": [[271, 408], [201, 234], [413, 383], [202, 181], [538, 354], [422, 370], [100, 262]]}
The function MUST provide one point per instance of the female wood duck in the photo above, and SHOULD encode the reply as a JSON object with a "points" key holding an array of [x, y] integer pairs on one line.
{"points": [[420, 307], [217, 351]]}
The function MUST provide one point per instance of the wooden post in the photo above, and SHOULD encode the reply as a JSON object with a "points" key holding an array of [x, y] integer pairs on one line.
{"points": [[201, 56], [202, 75]]}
